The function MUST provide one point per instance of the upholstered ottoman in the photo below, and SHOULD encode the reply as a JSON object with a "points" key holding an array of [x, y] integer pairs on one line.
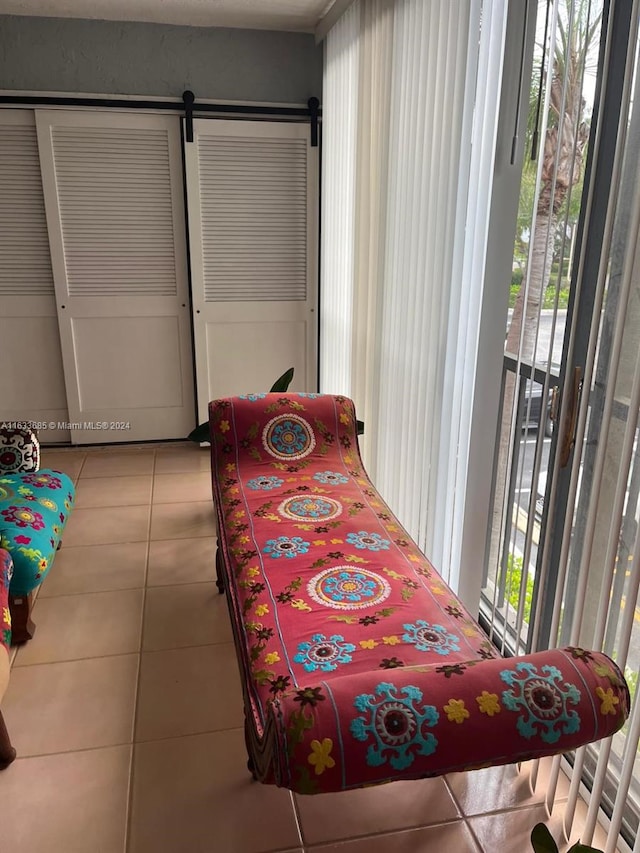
{"points": [[34, 508], [7, 752]]}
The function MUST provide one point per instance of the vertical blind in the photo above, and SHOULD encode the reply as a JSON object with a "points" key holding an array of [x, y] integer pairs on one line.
{"points": [[339, 128], [404, 230]]}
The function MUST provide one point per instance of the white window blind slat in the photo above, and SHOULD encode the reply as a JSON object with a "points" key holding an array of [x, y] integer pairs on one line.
{"points": [[115, 202], [25, 268], [253, 204]]}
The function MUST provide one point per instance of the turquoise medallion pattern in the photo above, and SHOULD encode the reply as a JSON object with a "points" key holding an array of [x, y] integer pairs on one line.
{"points": [[324, 653], [396, 725], [284, 546], [345, 588], [543, 701], [430, 638], [305, 508], [288, 437], [264, 484]]}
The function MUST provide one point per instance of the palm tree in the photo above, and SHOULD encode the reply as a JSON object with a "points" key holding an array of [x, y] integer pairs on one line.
{"points": [[563, 155], [562, 159]]}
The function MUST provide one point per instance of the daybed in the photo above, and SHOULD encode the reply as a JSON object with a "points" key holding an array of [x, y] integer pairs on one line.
{"points": [[359, 664]]}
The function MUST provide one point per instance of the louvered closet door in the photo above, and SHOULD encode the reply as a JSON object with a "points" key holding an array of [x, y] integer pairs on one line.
{"points": [[115, 210], [253, 198], [31, 380]]}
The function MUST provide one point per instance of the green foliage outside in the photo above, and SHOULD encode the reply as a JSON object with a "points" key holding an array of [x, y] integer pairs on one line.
{"points": [[514, 580]]}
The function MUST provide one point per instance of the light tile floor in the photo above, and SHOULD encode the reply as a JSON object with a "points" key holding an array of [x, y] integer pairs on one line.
{"points": [[126, 708]]}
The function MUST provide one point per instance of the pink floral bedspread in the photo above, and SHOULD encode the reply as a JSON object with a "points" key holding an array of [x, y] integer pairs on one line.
{"points": [[359, 663]]}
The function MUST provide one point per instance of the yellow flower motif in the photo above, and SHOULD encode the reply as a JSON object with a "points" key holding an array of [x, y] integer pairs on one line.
{"points": [[609, 701], [344, 418], [6, 615], [230, 466], [414, 558], [42, 565], [253, 572], [300, 604], [469, 631], [395, 575], [391, 641], [455, 711], [337, 542], [244, 540], [347, 460], [320, 755], [488, 703], [392, 528], [239, 513], [319, 542], [438, 590], [224, 426], [272, 657], [368, 644], [234, 491], [262, 609]]}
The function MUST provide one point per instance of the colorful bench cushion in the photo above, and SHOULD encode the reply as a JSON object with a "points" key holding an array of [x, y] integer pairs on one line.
{"points": [[6, 570], [34, 508], [360, 665]]}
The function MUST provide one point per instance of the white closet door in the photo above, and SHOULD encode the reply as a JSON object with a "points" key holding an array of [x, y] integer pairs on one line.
{"points": [[115, 212], [252, 192], [31, 380]]}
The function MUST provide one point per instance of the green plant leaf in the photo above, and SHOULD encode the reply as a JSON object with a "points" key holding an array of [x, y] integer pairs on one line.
{"points": [[542, 839], [583, 848], [200, 433], [282, 384]]}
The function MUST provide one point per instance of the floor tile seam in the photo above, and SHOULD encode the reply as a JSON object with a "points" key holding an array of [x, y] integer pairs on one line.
{"points": [[109, 476], [186, 583], [451, 792], [313, 845], [151, 503], [297, 818], [111, 541], [90, 592], [145, 651], [524, 805], [180, 538], [136, 698], [77, 660], [508, 810], [238, 728], [194, 646], [82, 749], [475, 838]]}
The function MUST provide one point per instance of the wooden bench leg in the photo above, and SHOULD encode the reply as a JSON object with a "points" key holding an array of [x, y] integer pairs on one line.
{"points": [[7, 752], [22, 625], [251, 767], [219, 572]]}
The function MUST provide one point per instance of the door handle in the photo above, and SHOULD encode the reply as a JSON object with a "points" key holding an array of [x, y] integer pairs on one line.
{"points": [[570, 422]]}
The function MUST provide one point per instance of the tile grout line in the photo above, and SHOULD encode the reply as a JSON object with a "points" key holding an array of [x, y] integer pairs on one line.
{"points": [[474, 837], [126, 654], [130, 781], [368, 836]]}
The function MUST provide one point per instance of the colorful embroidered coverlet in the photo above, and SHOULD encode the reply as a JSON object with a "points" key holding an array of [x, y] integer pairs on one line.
{"points": [[359, 664]]}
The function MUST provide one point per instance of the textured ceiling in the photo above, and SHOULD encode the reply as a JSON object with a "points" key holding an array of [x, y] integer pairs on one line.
{"points": [[296, 15]]}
